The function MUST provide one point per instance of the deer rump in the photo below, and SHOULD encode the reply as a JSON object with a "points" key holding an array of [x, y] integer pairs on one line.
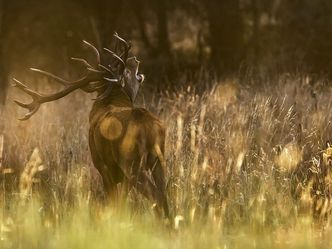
{"points": [[127, 147]]}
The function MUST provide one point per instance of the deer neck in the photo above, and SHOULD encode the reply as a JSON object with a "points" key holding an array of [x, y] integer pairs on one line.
{"points": [[117, 98]]}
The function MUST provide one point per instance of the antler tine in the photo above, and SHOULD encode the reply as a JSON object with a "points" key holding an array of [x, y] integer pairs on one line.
{"points": [[107, 69], [33, 107], [18, 84], [95, 50], [126, 44], [124, 55], [53, 76], [62, 80], [116, 42], [84, 62], [123, 41], [116, 56]]}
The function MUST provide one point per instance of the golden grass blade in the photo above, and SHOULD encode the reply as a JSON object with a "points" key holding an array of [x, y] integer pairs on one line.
{"points": [[1, 149]]}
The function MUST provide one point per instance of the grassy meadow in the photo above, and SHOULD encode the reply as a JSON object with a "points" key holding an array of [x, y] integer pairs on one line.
{"points": [[247, 167]]}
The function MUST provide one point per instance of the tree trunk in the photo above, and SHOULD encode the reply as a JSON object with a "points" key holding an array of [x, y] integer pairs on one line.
{"points": [[138, 10], [226, 34], [163, 39], [255, 39], [3, 66], [107, 13]]}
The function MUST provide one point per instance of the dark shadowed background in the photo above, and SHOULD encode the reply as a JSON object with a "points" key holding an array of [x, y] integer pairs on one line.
{"points": [[172, 37]]}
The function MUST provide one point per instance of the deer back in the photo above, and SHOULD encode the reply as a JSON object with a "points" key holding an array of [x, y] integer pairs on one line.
{"points": [[122, 133]]}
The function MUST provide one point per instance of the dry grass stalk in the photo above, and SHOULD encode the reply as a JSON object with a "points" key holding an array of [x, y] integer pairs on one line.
{"points": [[231, 162], [1, 150], [28, 176]]}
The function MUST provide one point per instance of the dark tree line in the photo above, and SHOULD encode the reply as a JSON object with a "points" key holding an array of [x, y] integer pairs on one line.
{"points": [[3, 66], [222, 35]]}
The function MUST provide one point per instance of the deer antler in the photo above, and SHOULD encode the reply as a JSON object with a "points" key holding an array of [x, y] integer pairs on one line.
{"points": [[38, 99], [119, 56], [97, 78], [94, 49]]}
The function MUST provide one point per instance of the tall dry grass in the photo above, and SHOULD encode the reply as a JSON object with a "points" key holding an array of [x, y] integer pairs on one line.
{"points": [[247, 167]]}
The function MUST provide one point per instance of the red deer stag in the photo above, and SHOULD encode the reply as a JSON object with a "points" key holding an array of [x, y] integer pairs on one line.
{"points": [[126, 143]]}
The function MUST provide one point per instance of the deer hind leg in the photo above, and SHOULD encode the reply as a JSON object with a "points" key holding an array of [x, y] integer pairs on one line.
{"points": [[109, 186], [111, 175], [147, 187], [151, 184], [160, 184]]}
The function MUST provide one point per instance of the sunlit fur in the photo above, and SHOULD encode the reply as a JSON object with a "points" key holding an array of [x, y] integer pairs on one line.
{"points": [[127, 143]]}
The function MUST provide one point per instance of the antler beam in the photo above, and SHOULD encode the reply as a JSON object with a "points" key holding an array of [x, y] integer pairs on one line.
{"points": [[38, 99], [98, 78]]}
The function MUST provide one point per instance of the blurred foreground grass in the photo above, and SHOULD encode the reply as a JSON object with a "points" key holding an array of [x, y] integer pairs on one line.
{"points": [[80, 228], [248, 167]]}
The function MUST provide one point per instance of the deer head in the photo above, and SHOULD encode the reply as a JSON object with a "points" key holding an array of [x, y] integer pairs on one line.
{"points": [[131, 78], [120, 70]]}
